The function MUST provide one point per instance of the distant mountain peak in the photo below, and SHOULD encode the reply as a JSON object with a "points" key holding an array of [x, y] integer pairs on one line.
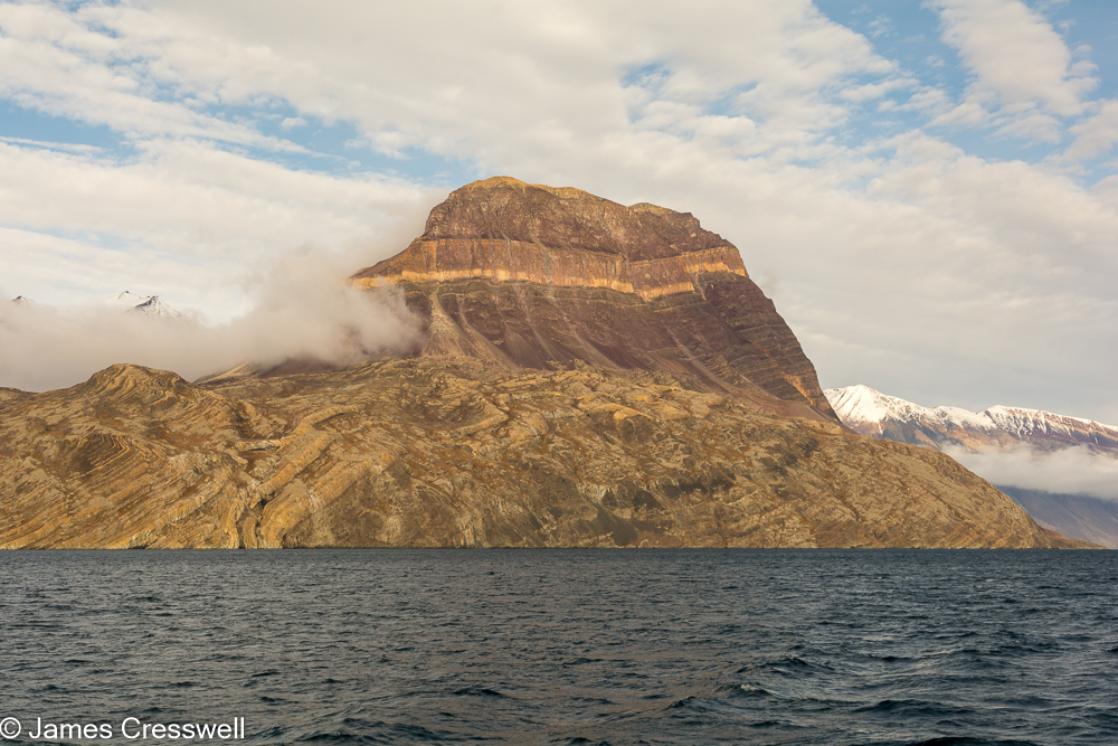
{"points": [[147, 304], [870, 412], [864, 405], [998, 429]]}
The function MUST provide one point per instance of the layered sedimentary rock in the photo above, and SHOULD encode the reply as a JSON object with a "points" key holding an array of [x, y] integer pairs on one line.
{"points": [[593, 375], [437, 452], [524, 275]]}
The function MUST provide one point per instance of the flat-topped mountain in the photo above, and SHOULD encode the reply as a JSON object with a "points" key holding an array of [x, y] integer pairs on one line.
{"points": [[524, 275], [508, 209]]}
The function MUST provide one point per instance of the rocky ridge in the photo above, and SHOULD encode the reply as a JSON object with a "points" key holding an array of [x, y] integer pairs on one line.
{"points": [[996, 429], [425, 452], [593, 375], [870, 412]]}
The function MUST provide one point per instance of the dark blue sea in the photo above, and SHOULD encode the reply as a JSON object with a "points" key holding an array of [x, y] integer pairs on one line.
{"points": [[567, 646]]}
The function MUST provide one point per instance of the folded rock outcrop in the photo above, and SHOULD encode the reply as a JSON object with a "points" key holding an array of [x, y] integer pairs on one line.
{"points": [[593, 375], [426, 452]]}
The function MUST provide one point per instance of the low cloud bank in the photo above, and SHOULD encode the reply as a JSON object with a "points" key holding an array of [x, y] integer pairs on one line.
{"points": [[1075, 471], [304, 308]]}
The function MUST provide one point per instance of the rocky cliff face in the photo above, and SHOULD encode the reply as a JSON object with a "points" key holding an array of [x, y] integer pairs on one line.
{"points": [[429, 452], [595, 375], [525, 275]]}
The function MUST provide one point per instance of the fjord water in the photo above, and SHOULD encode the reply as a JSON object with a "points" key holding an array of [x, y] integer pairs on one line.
{"points": [[571, 646]]}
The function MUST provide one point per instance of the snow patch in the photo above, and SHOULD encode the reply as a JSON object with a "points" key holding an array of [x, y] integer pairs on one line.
{"points": [[861, 405], [865, 405], [147, 304]]}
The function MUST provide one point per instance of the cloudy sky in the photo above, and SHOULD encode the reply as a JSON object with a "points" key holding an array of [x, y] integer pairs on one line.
{"points": [[928, 189]]}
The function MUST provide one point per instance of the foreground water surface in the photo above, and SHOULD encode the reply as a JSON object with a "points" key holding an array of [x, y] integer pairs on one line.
{"points": [[570, 646]]}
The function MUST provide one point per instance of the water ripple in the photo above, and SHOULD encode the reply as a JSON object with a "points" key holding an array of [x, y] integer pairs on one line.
{"points": [[572, 647]]}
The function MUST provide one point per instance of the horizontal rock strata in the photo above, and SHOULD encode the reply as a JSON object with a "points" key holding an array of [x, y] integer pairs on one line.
{"points": [[525, 275], [446, 260]]}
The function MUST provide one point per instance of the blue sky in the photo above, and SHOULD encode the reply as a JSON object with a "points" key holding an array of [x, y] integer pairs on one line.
{"points": [[909, 34], [926, 189]]}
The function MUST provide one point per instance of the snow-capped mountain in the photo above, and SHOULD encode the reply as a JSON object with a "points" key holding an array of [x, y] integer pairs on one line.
{"points": [[126, 301], [870, 412], [977, 439], [148, 304]]}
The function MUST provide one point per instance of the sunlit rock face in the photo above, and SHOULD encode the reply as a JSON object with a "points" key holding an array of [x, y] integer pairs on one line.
{"points": [[526, 275], [450, 452], [593, 375]]}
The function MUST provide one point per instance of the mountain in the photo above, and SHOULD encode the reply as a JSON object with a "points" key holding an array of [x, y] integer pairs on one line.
{"points": [[150, 305], [1090, 519], [870, 412], [524, 275], [451, 452], [997, 429], [126, 300], [592, 375]]}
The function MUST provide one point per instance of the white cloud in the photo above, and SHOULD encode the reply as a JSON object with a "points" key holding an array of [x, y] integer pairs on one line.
{"points": [[969, 111], [55, 65], [534, 73], [1075, 471], [303, 309], [938, 274], [1015, 54], [1034, 125], [67, 147], [183, 218], [872, 91], [1096, 135]]}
